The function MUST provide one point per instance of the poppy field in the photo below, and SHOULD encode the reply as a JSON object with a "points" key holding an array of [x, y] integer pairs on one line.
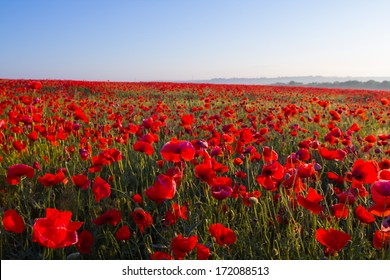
{"points": [[139, 171]]}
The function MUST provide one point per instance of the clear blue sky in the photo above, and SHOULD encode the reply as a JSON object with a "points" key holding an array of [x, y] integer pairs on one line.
{"points": [[143, 40]]}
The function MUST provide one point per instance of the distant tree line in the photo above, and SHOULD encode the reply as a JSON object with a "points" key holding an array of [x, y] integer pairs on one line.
{"points": [[371, 84]]}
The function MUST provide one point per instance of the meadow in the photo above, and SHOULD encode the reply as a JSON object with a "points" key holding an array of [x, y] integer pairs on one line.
{"points": [[109, 170]]}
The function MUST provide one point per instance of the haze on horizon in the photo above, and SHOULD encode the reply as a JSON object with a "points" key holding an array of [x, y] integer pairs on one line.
{"points": [[193, 40]]}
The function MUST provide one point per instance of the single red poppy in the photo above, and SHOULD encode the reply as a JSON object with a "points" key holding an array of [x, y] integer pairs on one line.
{"points": [[202, 252], [364, 215], [142, 219], [164, 188], [85, 242], [49, 180], [15, 172], [205, 172], [181, 246], [56, 230], [340, 210], [380, 192], [271, 175], [137, 198], [123, 233], [332, 154], [145, 147], [13, 222], [176, 150], [222, 234], [111, 217], [311, 202], [221, 188], [101, 189], [333, 240], [365, 171], [81, 181]]}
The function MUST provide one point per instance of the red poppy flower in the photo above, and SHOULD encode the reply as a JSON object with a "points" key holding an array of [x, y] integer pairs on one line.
{"points": [[81, 181], [142, 219], [49, 180], [303, 154], [332, 154], [101, 189], [164, 188], [123, 233], [56, 230], [19, 145], [145, 147], [380, 192], [381, 239], [271, 175], [202, 252], [311, 202], [18, 170], [85, 242], [176, 150], [306, 170], [137, 198], [333, 240], [111, 217], [13, 222], [221, 188], [205, 172], [366, 172], [174, 213], [161, 256], [181, 246], [363, 215], [97, 163], [269, 155], [223, 235], [340, 210]]}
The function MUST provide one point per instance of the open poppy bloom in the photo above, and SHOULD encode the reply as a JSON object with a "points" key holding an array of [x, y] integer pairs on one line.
{"points": [[380, 192], [176, 150], [56, 230], [145, 147], [222, 234], [270, 176], [13, 222], [15, 172], [311, 201], [85, 242], [181, 246], [164, 188], [101, 189], [332, 154], [364, 215], [365, 171], [81, 181], [221, 188], [49, 180], [142, 219], [112, 217], [340, 210], [333, 240]]}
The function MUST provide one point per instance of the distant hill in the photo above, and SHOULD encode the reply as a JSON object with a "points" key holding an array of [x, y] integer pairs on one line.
{"points": [[380, 83]]}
